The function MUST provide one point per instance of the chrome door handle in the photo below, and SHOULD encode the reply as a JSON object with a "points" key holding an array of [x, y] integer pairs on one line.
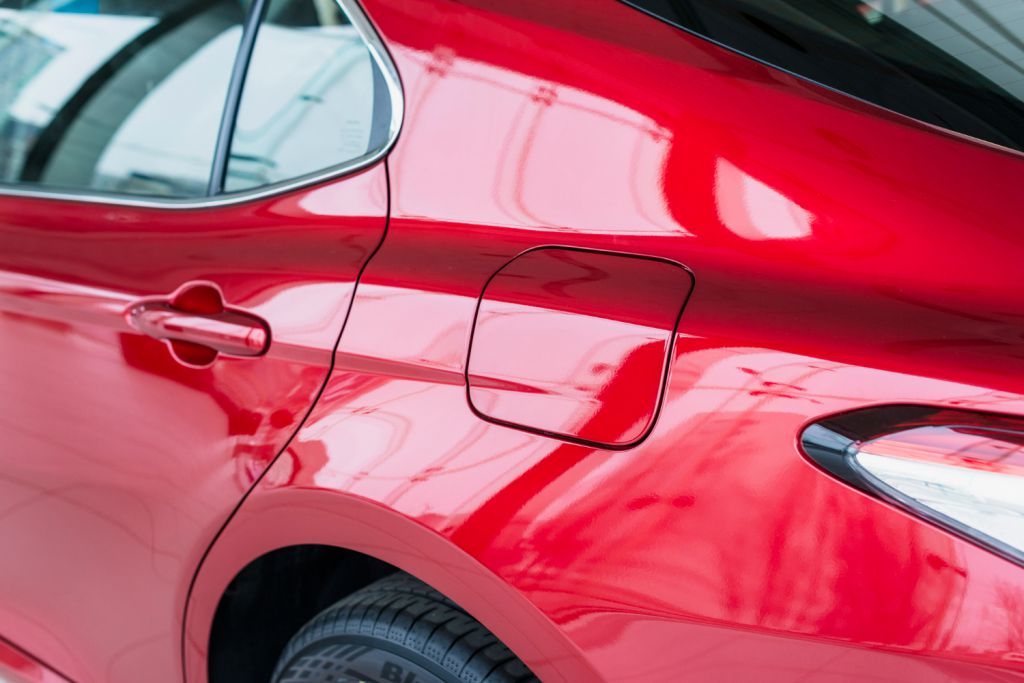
{"points": [[197, 325]]}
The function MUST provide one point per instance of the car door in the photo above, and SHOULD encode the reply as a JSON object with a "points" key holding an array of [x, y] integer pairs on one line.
{"points": [[189, 192]]}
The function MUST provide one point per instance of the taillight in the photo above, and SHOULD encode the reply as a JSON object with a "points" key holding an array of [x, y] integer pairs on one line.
{"points": [[962, 471]]}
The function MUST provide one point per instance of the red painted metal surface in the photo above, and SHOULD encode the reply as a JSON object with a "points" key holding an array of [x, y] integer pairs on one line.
{"points": [[18, 667], [119, 462], [843, 257], [575, 343]]}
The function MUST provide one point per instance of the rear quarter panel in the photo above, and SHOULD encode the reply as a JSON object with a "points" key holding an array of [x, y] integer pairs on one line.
{"points": [[843, 257]]}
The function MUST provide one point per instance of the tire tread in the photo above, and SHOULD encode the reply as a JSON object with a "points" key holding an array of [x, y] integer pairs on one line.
{"points": [[404, 611]]}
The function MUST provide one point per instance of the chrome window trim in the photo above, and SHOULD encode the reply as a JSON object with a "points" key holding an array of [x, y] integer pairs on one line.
{"points": [[380, 56]]}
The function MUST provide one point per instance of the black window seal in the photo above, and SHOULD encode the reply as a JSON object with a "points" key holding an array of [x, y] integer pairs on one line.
{"points": [[233, 99], [897, 116]]}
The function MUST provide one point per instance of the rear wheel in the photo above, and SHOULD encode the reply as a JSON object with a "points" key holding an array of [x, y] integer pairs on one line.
{"points": [[397, 630]]}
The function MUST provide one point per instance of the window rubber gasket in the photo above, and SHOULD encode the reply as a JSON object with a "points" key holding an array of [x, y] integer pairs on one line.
{"points": [[233, 99]]}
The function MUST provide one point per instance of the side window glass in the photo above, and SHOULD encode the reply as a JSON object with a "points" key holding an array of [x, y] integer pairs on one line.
{"points": [[313, 99], [958, 64], [114, 95]]}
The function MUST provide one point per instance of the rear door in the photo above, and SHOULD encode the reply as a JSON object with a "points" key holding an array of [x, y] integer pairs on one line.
{"points": [[189, 192]]}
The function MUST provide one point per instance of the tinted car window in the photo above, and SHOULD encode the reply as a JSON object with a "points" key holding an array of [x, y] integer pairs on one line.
{"points": [[313, 98], [954, 63], [114, 95]]}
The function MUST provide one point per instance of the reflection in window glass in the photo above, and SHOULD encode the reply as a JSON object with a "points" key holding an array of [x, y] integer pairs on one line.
{"points": [[116, 95], [958, 64], [308, 101]]}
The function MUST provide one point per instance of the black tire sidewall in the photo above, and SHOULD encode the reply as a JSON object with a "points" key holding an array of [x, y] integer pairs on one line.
{"points": [[395, 652]]}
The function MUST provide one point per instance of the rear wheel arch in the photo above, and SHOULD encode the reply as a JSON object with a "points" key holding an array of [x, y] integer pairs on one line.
{"points": [[310, 548], [272, 597]]}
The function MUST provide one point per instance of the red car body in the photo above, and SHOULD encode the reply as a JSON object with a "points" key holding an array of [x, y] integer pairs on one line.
{"points": [[616, 491]]}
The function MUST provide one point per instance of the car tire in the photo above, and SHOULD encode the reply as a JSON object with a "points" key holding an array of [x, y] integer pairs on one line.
{"points": [[397, 630]]}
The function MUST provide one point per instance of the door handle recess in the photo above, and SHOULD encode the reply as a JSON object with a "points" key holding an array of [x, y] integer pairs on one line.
{"points": [[197, 326]]}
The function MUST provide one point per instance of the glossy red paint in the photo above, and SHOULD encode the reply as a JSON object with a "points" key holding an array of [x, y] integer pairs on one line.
{"points": [[119, 463], [843, 257], [17, 667], [565, 338]]}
